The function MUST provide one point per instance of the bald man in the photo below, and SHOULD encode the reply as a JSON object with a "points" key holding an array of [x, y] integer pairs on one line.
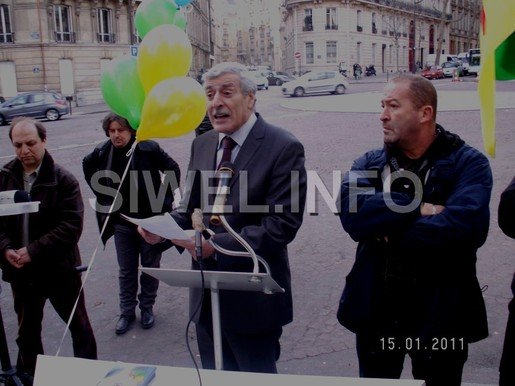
{"points": [[39, 252]]}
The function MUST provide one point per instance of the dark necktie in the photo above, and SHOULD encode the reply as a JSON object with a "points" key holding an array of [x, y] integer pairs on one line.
{"points": [[227, 145]]}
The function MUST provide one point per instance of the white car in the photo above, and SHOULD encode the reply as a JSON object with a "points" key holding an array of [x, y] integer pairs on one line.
{"points": [[450, 67], [317, 82], [258, 78]]}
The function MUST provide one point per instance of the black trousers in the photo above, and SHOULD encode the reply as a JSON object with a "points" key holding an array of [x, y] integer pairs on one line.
{"points": [[383, 357], [255, 353], [29, 304]]}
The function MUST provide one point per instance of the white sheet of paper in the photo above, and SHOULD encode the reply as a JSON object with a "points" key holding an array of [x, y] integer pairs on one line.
{"points": [[163, 225]]}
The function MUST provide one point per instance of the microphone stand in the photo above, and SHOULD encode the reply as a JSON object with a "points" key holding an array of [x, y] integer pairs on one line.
{"points": [[8, 376]]}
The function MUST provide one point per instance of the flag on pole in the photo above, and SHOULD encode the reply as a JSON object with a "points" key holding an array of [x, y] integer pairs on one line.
{"points": [[497, 41]]}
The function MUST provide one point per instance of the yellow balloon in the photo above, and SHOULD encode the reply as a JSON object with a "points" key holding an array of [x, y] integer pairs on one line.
{"points": [[164, 53], [173, 107]]}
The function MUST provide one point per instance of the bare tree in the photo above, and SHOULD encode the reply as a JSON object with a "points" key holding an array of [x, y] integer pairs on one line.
{"points": [[395, 24], [441, 29]]}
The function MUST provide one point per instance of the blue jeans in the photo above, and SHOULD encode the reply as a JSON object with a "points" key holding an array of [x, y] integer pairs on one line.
{"points": [[129, 247]]}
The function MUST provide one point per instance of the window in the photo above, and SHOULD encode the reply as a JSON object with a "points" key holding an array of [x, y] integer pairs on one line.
{"points": [[6, 34], [331, 51], [383, 25], [105, 28], [330, 19], [374, 45], [308, 20], [374, 25], [309, 53], [62, 24], [359, 27], [21, 100], [358, 52]]}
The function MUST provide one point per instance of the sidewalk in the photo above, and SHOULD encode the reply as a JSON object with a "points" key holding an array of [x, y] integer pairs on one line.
{"points": [[94, 108]]}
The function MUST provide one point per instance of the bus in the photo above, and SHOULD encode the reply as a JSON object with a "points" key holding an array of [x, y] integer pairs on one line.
{"points": [[474, 61]]}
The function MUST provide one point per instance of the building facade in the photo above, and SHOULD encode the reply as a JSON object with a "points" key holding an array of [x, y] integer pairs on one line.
{"points": [[63, 45], [244, 31], [393, 35], [464, 28]]}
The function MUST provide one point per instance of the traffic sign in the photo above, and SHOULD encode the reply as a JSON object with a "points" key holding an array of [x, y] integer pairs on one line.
{"points": [[297, 55], [134, 50]]}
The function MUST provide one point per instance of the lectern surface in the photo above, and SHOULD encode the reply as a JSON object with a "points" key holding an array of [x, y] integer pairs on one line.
{"points": [[241, 281], [51, 371], [19, 208]]}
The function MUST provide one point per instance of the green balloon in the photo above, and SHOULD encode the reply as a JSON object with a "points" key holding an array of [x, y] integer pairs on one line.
{"points": [[180, 20], [122, 89], [505, 59], [152, 13]]}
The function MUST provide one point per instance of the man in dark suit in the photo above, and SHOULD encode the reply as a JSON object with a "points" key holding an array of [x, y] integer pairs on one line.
{"points": [[265, 206]]}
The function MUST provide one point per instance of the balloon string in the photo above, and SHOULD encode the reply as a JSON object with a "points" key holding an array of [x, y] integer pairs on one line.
{"points": [[129, 154]]}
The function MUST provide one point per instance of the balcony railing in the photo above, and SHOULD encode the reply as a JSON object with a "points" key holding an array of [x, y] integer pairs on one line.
{"points": [[359, 28], [106, 38], [64, 37], [7, 37], [331, 26], [307, 27], [374, 30]]}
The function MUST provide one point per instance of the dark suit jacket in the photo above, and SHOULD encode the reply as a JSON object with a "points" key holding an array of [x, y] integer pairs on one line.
{"points": [[269, 163]]}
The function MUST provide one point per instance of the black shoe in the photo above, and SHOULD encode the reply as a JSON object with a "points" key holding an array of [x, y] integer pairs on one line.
{"points": [[147, 319], [124, 323], [25, 379]]}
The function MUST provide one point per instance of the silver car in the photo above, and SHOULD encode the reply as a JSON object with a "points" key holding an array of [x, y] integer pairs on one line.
{"points": [[39, 104], [317, 82]]}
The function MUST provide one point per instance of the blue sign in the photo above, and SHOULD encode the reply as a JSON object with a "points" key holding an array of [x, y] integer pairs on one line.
{"points": [[134, 50]]}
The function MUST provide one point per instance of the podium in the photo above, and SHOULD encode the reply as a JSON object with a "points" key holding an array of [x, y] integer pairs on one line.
{"points": [[84, 372], [8, 375], [215, 281]]}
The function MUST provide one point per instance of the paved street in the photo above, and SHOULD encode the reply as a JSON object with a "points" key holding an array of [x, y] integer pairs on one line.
{"points": [[322, 252]]}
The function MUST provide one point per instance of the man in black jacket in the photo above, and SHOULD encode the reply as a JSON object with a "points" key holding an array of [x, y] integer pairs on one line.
{"points": [[419, 209], [143, 194], [39, 252], [507, 224]]}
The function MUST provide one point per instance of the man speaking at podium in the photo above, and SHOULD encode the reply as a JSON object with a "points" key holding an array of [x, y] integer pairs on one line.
{"points": [[39, 252], [268, 172]]}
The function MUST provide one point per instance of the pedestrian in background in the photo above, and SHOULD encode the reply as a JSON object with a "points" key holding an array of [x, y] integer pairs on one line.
{"points": [[39, 252], [507, 224], [104, 168], [419, 210]]}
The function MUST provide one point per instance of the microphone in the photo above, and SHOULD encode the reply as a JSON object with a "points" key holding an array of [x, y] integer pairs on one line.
{"points": [[14, 196], [198, 224], [224, 175]]}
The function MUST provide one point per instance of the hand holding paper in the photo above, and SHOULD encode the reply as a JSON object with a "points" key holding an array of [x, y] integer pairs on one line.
{"points": [[162, 225]]}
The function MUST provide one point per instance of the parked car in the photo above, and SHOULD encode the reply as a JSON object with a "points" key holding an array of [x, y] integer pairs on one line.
{"points": [[449, 68], [433, 72], [259, 79], [39, 104], [278, 78], [317, 82]]}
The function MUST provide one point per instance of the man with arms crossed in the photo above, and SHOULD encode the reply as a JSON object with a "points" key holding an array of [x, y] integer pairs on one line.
{"points": [[419, 210]]}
